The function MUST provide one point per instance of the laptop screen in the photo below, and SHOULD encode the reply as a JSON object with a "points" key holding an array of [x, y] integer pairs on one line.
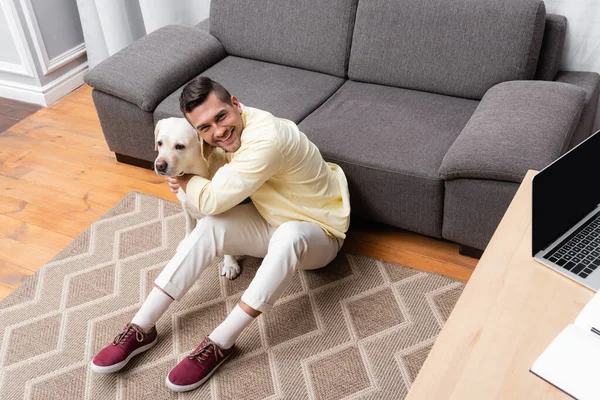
{"points": [[565, 191]]}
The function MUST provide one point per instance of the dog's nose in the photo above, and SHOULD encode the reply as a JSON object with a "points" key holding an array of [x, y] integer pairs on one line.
{"points": [[161, 165]]}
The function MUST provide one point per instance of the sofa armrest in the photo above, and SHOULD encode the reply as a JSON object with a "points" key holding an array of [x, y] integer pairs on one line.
{"points": [[153, 67], [517, 126], [204, 25], [590, 82]]}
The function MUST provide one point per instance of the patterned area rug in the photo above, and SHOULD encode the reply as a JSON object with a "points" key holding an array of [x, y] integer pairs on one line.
{"points": [[359, 328]]}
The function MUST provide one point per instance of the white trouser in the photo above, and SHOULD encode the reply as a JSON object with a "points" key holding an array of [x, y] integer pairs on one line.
{"points": [[242, 231]]}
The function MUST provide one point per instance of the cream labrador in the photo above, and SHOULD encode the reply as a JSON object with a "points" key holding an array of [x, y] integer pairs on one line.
{"points": [[182, 151]]}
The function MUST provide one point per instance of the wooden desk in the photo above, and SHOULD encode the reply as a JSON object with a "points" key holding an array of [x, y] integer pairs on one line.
{"points": [[510, 310]]}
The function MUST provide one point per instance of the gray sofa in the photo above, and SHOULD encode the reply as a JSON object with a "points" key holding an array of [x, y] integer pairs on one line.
{"points": [[434, 109]]}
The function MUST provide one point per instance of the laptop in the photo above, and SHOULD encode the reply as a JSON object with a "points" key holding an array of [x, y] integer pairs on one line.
{"points": [[566, 214]]}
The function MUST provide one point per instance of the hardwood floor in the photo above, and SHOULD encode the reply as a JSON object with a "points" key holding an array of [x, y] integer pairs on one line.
{"points": [[57, 176], [12, 111]]}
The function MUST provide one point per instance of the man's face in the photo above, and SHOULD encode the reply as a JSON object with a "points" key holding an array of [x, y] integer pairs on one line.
{"points": [[218, 123]]}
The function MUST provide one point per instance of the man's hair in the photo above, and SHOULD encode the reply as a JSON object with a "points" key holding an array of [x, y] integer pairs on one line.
{"points": [[197, 90]]}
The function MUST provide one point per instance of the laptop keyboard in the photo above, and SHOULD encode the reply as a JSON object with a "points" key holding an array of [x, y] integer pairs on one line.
{"points": [[580, 251]]}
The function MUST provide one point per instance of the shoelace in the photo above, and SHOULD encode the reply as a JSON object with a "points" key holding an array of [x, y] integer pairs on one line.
{"points": [[202, 353], [127, 332]]}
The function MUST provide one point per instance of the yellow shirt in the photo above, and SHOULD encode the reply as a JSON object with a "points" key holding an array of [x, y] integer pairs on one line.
{"points": [[282, 172]]}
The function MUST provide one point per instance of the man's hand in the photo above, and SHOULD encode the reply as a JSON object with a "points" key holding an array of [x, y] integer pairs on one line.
{"points": [[176, 182]]}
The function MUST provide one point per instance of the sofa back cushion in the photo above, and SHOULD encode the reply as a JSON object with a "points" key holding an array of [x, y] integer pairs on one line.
{"points": [[454, 47], [552, 47], [309, 34]]}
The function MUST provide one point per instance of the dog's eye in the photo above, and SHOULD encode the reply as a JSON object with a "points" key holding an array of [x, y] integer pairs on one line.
{"points": [[179, 147], [159, 143]]}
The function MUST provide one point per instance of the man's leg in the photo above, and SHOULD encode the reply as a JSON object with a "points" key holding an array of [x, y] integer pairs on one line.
{"points": [[152, 309], [294, 245], [240, 230]]}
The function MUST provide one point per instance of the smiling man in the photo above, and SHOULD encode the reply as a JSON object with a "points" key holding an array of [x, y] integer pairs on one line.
{"points": [[218, 118], [297, 219]]}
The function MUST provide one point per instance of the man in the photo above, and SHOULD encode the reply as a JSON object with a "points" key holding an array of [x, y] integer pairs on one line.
{"points": [[297, 219]]}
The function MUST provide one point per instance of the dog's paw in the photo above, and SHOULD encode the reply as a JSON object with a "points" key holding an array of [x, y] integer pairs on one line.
{"points": [[230, 269]]}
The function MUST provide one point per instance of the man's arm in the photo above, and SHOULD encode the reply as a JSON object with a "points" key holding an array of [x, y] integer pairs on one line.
{"points": [[176, 182], [250, 168]]}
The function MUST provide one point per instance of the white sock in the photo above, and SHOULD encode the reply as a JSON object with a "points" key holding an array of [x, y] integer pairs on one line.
{"points": [[227, 333], [153, 308]]}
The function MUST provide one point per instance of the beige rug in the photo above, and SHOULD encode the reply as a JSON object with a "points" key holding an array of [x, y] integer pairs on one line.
{"points": [[358, 329]]}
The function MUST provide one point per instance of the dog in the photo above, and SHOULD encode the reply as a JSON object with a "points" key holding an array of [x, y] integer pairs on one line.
{"points": [[182, 151]]}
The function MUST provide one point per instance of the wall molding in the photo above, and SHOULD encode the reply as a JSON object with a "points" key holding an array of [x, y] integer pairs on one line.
{"points": [[11, 68], [48, 93], [66, 57], [48, 65], [17, 32]]}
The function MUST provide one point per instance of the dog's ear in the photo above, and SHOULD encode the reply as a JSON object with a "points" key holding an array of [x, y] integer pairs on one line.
{"points": [[205, 148], [156, 130]]}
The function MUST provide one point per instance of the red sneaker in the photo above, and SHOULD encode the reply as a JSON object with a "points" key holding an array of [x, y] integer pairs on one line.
{"points": [[196, 368], [127, 344]]}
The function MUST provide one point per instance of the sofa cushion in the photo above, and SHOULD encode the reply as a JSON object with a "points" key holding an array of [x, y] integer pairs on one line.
{"points": [[309, 34], [518, 125], [390, 142], [454, 47], [552, 47], [285, 92]]}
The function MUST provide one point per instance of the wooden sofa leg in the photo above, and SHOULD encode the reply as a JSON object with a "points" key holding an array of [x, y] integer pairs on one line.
{"points": [[469, 251], [134, 161]]}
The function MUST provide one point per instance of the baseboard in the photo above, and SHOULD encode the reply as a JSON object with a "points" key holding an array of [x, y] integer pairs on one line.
{"points": [[22, 92], [47, 94]]}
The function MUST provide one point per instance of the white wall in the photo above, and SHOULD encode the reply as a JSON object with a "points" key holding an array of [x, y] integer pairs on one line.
{"points": [[8, 51], [582, 45], [158, 13], [42, 52], [15, 61]]}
